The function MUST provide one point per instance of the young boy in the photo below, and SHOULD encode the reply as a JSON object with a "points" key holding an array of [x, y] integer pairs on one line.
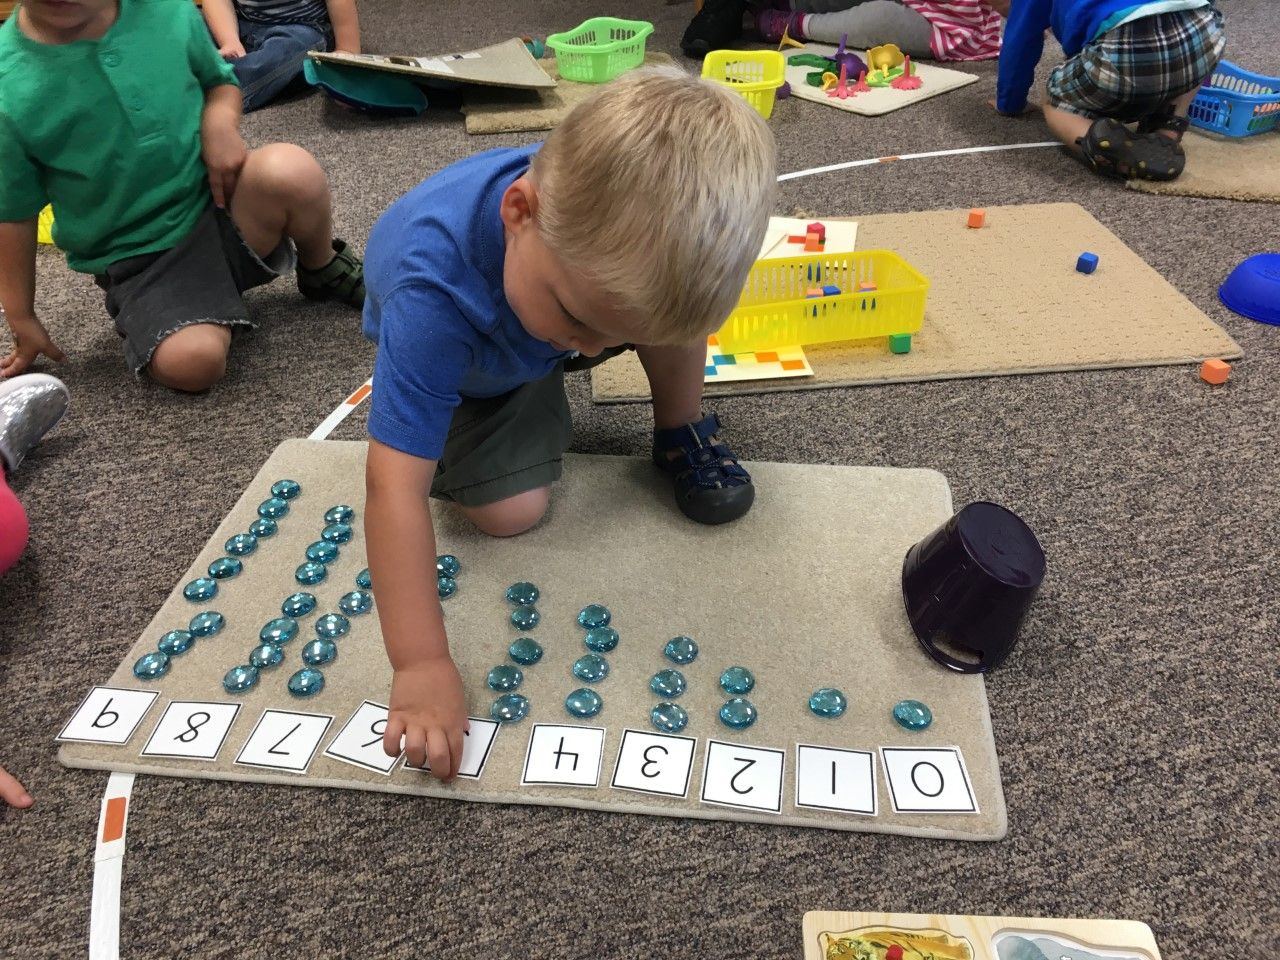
{"points": [[635, 223], [267, 40], [1129, 62], [122, 114]]}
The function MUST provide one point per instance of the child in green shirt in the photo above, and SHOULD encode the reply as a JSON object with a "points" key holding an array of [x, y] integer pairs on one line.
{"points": [[122, 115]]}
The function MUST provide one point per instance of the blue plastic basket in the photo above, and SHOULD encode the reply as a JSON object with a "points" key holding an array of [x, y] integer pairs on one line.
{"points": [[1237, 103]]}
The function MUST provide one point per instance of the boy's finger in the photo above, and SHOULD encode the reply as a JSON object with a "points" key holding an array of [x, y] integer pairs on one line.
{"points": [[215, 187], [438, 754], [391, 736], [415, 745], [12, 792], [54, 354], [455, 749]]}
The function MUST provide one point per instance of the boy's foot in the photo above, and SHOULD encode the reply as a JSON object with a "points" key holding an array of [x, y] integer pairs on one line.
{"points": [[341, 279], [716, 26], [1113, 150], [711, 486], [30, 406], [771, 23]]}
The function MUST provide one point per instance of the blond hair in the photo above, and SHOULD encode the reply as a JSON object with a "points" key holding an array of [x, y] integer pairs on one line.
{"points": [[658, 190]]}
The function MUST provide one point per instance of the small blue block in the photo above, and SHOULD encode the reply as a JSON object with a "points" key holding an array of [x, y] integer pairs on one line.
{"points": [[712, 370], [1087, 263], [830, 291]]}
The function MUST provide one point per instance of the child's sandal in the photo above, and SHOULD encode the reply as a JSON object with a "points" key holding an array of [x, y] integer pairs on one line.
{"points": [[341, 279], [711, 486], [1112, 150]]}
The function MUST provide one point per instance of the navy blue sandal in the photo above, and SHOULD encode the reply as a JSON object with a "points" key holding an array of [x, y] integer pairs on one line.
{"points": [[711, 486]]}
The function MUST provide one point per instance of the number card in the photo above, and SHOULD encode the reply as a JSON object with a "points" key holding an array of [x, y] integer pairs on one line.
{"points": [[284, 740], [192, 730], [563, 756], [828, 778], [476, 744], [928, 780], [745, 777], [654, 763], [359, 742], [108, 715]]}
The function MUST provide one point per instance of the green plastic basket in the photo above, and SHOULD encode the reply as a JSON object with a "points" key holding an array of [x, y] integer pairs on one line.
{"points": [[599, 49]]}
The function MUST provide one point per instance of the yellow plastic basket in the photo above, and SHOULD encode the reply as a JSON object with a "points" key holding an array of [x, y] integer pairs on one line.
{"points": [[755, 74], [599, 49], [775, 311]]}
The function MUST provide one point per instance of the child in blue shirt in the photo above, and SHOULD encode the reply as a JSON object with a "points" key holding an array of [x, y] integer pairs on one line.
{"points": [[1128, 63], [630, 225]]}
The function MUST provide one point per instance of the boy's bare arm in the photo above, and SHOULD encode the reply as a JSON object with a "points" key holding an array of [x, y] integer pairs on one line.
{"points": [[221, 145], [346, 25], [220, 15], [427, 705], [18, 298]]}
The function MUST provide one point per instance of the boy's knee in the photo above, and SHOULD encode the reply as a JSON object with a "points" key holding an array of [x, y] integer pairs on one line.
{"points": [[287, 170], [511, 516], [192, 359]]}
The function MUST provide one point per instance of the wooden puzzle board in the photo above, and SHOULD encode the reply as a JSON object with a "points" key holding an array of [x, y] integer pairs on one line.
{"points": [[878, 100], [805, 591], [506, 64], [975, 938], [1006, 299]]}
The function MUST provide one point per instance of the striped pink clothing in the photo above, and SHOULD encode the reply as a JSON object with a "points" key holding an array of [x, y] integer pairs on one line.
{"points": [[962, 29]]}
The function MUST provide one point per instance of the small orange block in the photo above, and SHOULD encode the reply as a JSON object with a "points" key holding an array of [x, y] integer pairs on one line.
{"points": [[1215, 371], [866, 286], [792, 238], [977, 218], [813, 292], [812, 243]]}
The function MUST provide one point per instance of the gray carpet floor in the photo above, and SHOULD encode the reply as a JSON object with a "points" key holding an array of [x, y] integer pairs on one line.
{"points": [[1136, 723]]}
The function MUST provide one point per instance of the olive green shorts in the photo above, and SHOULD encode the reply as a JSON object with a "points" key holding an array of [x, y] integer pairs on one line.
{"points": [[500, 446]]}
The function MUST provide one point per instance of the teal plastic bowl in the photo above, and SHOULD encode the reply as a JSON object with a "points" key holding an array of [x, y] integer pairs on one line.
{"points": [[369, 90], [1253, 289]]}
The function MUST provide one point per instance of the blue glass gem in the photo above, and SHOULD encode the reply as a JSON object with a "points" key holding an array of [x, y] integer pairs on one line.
{"points": [[151, 666], [668, 683], [828, 702], [319, 652], [265, 655], [298, 604], [241, 678], [363, 580], [200, 589], [591, 667], [263, 528], [356, 602], [522, 592], [681, 650], [273, 509], [224, 568], [525, 617], [737, 681], [446, 586], [583, 702], [241, 545], [738, 713], [601, 639], [337, 533], [207, 624], [175, 642], [669, 717], [448, 565], [332, 626], [306, 682], [278, 631], [594, 615], [525, 650], [322, 551], [339, 514], [505, 678], [912, 714], [310, 573], [286, 489], [509, 708]]}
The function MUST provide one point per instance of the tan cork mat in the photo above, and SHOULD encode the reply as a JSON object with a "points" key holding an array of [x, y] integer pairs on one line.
{"points": [[1247, 169], [1005, 299], [804, 591]]}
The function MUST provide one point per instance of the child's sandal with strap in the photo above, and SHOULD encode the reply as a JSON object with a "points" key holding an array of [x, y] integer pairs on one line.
{"points": [[710, 485]]}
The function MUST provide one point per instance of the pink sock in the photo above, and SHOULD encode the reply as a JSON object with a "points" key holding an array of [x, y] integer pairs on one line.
{"points": [[13, 526]]}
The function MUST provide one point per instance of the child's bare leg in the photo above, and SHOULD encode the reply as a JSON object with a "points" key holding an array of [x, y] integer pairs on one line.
{"points": [[1066, 126], [675, 380], [283, 192], [191, 359], [1180, 108], [512, 516]]}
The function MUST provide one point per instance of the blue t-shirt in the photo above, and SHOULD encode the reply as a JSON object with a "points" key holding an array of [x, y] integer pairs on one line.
{"points": [[436, 307]]}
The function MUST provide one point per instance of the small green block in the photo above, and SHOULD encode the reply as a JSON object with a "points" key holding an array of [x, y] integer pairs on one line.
{"points": [[899, 343]]}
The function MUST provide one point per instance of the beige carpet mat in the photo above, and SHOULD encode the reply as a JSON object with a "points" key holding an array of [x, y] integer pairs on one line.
{"points": [[878, 100], [493, 110], [1246, 169], [805, 592], [1004, 299]]}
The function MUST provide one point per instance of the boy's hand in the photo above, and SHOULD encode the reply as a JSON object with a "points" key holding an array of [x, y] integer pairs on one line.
{"points": [[30, 339], [232, 51], [12, 792], [428, 710], [221, 145]]}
